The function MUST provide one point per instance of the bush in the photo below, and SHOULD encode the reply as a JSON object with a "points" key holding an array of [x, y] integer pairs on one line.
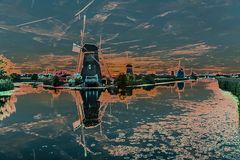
{"points": [[34, 77], [148, 79], [121, 81], [15, 77], [78, 81], [3, 74], [6, 85], [56, 81]]}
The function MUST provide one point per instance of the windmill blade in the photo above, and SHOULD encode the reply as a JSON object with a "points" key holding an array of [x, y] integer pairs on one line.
{"points": [[76, 48], [103, 65], [83, 31], [100, 45], [84, 8], [32, 22]]}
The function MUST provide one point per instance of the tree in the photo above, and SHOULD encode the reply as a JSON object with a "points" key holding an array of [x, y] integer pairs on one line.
{"points": [[15, 77], [6, 85], [149, 79], [56, 81], [3, 74], [121, 81], [34, 77]]}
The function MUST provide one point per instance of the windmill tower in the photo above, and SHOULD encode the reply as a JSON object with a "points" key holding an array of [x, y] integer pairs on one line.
{"points": [[129, 67]]}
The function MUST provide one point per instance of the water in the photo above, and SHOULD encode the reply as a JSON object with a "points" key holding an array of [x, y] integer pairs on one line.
{"points": [[195, 120]]}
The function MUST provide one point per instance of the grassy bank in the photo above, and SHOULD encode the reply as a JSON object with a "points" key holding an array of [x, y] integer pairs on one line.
{"points": [[230, 84]]}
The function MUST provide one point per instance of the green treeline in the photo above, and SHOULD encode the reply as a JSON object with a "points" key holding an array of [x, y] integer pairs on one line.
{"points": [[124, 80], [230, 84], [5, 81]]}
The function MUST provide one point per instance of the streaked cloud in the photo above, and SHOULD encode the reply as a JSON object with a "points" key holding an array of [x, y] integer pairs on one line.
{"points": [[165, 14], [192, 49], [100, 17]]}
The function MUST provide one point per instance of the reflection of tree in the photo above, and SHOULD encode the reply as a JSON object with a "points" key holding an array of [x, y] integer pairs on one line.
{"points": [[7, 107]]}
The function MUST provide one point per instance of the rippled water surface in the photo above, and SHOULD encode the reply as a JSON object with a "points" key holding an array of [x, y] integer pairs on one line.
{"points": [[195, 120]]}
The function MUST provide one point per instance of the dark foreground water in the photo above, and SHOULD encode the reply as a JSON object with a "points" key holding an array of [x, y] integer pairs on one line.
{"points": [[179, 121]]}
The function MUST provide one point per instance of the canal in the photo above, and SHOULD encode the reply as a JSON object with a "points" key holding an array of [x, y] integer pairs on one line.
{"points": [[191, 120]]}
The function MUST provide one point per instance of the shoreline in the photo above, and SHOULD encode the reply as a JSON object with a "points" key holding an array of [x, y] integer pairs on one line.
{"points": [[231, 85], [97, 88]]}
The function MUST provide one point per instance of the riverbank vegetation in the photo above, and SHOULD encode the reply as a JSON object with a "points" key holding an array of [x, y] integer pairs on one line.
{"points": [[5, 81], [232, 85], [124, 80]]}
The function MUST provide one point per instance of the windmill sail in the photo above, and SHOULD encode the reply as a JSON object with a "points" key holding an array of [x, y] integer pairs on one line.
{"points": [[76, 48]]}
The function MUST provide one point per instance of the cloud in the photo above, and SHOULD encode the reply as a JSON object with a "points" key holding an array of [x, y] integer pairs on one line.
{"points": [[131, 19], [145, 25], [124, 42], [172, 29], [165, 14], [100, 17], [150, 46], [110, 6], [192, 49], [52, 62]]}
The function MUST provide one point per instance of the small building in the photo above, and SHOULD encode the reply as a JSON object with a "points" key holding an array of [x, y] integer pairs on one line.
{"points": [[129, 68]]}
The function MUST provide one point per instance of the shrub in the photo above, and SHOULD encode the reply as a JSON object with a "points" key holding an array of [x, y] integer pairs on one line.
{"points": [[121, 80], [148, 79], [34, 77], [15, 77], [56, 81], [6, 85]]}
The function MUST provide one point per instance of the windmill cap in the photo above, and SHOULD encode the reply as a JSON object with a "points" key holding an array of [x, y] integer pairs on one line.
{"points": [[128, 65], [89, 48]]}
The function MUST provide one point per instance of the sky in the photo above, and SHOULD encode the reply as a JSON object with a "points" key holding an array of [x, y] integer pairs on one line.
{"points": [[154, 35]]}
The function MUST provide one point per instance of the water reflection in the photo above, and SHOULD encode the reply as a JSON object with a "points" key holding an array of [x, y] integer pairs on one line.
{"points": [[89, 102], [91, 105], [176, 120], [7, 107]]}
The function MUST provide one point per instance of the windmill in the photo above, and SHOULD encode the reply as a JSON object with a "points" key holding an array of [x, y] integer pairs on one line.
{"points": [[88, 64]]}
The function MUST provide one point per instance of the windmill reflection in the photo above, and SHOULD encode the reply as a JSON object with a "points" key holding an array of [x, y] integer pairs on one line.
{"points": [[91, 105], [180, 89], [88, 107]]}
